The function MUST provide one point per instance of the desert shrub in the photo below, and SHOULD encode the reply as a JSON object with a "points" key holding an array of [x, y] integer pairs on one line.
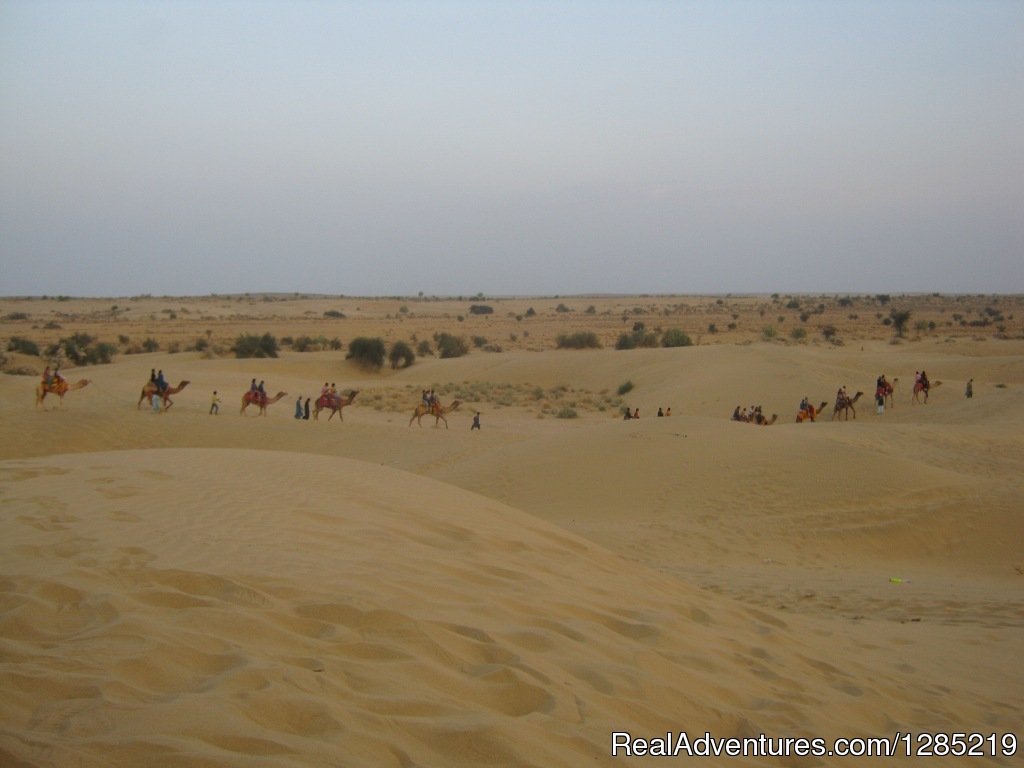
{"points": [[567, 413], [479, 341], [250, 345], [578, 340], [480, 309], [24, 346], [562, 308], [531, 312], [334, 313], [423, 349], [367, 352], [16, 316], [900, 318], [450, 346], [201, 344], [674, 337], [401, 355], [797, 334], [82, 349], [150, 345], [309, 344], [624, 387], [768, 332], [829, 332], [625, 341]]}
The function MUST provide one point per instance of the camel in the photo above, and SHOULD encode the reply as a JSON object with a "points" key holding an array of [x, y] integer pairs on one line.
{"points": [[438, 411], [808, 414], [150, 389], [888, 391], [58, 387], [334, 404], [846, 405], [919, 387], [253, 398]]}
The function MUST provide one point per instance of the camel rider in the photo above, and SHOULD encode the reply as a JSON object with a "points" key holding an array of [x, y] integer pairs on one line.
{"points": [[805, 404], [161, 382], [47, 375], [261, 393], [254, 389]]}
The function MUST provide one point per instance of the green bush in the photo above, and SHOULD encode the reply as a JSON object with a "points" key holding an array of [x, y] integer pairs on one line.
{"points": [[624, 387], [150, 345], [309, 344], [367, 352], [626, 341], [567, 413], [250, 345], [674, 337], [579, 340], [423, 349], [480, 309], [450, 346], [401, 355], [82, 349], [24, 346]]}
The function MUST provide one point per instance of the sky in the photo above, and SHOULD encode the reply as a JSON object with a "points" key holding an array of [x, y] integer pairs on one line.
{"points": [[511, 148]]}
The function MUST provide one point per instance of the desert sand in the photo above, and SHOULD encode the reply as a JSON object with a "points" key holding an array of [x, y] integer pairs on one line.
{"points": [[183, 589]]}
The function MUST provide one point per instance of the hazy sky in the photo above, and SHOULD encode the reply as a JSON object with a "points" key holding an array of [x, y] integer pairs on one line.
{"points": [[383, 148]]}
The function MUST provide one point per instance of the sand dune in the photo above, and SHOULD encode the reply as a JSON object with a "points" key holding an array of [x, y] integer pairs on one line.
{"points": [[170, 606], [184, 589]]}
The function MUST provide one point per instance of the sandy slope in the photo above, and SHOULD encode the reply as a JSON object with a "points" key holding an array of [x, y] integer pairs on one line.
{"points": [[181, 589]]}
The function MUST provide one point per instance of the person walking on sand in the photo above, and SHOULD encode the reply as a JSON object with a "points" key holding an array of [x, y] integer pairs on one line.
{"points": [[215, 404], [298, 407], [476, 421], [969, 389], [305, 411], [156, 402]]}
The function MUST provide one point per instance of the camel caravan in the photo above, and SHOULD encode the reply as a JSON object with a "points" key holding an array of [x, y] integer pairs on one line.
{"points": [[159, 392]]}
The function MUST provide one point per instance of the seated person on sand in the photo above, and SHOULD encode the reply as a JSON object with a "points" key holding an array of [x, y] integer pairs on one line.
{"points": [[736, 415]]}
